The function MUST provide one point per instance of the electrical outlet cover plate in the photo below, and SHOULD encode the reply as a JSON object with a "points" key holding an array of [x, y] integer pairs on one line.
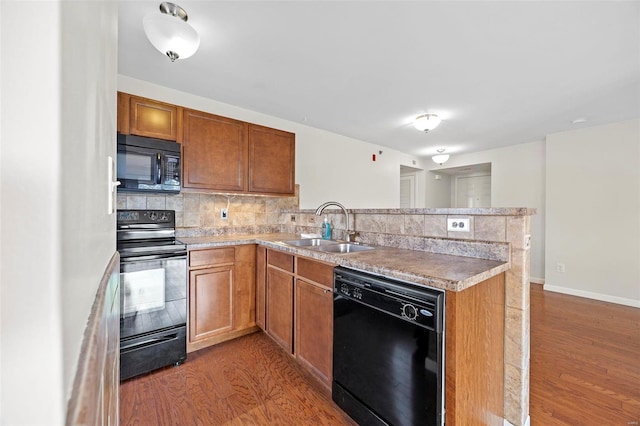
{"points": [[458, 225]]}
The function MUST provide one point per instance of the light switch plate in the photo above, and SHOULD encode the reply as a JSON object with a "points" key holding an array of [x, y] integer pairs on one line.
{"points": [[458, 225]]}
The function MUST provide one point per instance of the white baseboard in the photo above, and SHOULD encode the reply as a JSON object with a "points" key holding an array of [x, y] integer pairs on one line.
{"points": [[526, 423], [596, 296], [536, 280]]}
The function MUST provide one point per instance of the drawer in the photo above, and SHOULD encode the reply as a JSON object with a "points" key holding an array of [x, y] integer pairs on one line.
{"points": [[321, 273], [280, 260], [207, 257]]}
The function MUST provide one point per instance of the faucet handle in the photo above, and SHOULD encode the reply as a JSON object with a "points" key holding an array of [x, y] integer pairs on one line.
{"points": [[351, 236]]}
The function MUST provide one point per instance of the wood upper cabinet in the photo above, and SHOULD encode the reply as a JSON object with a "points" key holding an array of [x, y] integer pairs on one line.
{"points": [[219, 154], [271, 161], [214, 152], [221, 295], [146, 117]]}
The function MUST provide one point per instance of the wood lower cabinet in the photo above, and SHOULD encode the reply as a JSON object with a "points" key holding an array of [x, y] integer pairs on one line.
{"points": [[314, 317], [272, 161], [279, 298], [211, 302], [298, 302], [221, 295], [314, 328], [146, 117], [261, 287]]}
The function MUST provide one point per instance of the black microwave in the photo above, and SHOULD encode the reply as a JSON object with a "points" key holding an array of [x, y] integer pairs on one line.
{"points": [[148, 165]]}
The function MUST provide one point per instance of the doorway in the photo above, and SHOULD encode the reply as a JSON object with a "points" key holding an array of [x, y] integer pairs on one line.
{"points": [[472, 191], [460, 187], [411, 189]]}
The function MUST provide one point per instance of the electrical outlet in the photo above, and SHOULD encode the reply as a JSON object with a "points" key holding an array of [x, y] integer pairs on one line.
{"points": [[293, 218], [458, 225], [224, 214], [560, 268]]}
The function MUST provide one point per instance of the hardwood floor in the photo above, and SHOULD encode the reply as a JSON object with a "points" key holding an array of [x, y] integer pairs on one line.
{"points": [[247, 381], [585, 361], [585, 370]]}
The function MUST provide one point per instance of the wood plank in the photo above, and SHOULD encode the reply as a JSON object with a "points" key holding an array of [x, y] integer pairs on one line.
{"points": [[247, 381], [585, 365]]}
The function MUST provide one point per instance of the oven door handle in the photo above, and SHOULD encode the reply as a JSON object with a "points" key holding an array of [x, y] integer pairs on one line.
{"points": [[174, 255]]}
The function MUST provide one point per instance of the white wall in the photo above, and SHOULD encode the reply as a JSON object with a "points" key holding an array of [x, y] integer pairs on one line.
{"points": [[328, 166], [57, 115], [517, 180], [593, 205]]}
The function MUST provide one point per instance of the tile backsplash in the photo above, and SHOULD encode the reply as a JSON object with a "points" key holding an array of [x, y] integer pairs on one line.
{"points": [[200, 214]]}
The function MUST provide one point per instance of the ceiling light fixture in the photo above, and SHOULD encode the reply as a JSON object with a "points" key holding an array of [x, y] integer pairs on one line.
{"points": [[170, 33], [440, 158], [426, 122]]}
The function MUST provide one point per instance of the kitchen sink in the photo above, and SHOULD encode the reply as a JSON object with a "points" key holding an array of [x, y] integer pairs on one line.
{"points": [[328, 246], [309, 242], [344, 248]]}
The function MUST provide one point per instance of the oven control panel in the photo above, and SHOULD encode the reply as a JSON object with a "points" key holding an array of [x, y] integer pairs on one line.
{"points": [[145, 216]]}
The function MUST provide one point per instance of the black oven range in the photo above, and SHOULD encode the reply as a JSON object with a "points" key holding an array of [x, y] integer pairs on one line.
{"points": [[153, 291]]}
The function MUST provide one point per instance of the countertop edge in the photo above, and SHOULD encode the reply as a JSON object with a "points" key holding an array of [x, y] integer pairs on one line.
{"points": [[274, 241]]}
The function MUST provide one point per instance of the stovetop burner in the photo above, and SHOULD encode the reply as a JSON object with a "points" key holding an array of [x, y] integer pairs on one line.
{"points": [[147, 233]]}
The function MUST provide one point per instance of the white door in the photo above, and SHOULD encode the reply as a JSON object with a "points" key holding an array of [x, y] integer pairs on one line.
{"points": [[407, 191], [473, 191]]}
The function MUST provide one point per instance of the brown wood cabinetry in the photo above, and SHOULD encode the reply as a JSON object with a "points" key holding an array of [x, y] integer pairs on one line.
{"points": [[271, 161], [221, 295], [279, 298], [474, 367], [146, 117], [261, 286], [219, 154], [314, 317], [298, 301], [214, 152]]}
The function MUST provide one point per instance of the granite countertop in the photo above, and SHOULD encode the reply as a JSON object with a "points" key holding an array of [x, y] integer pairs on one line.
{"points": [[444, 271]]}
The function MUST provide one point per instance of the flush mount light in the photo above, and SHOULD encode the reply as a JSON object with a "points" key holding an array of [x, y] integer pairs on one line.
{"points": [[426, 122], [440, 158], [170, 33]]}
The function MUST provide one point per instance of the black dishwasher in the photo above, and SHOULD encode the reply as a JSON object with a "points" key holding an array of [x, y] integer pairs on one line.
{"points": [[388, 366]]}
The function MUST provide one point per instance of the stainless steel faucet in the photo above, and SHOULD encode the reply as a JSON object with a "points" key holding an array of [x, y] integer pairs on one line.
{"points": [[349, 234]]}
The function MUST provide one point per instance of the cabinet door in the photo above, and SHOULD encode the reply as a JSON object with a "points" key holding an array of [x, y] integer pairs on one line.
{"points": [[214, 152], [280, 307], [210, 302], [261, 284], [314, 329], [271, 160], [153, 119], [245, 287]]}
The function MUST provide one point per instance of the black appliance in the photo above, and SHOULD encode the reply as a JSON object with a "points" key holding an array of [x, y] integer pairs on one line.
{"points": [[148, 165], [388, 366], [153, 291]]}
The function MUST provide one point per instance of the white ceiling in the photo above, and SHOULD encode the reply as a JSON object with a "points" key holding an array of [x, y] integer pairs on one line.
{"points": [[498, 73]]}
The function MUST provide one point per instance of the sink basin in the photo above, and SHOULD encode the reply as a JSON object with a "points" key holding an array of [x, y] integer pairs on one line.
{"points": [[328, 246], [309, 242], [344, 248]]}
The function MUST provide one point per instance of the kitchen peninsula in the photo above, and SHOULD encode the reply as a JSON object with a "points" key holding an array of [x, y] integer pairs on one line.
{"points": [[412, 245], [498, 236]]}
